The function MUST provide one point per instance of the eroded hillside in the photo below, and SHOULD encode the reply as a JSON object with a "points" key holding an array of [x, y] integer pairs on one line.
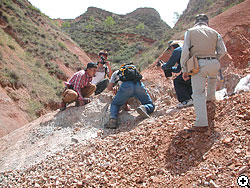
{"points": [[35, 57], [124, 36], [154, 152]]}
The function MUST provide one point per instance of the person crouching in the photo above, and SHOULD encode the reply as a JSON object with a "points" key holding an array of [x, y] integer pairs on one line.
{"points": [[79, 88]]}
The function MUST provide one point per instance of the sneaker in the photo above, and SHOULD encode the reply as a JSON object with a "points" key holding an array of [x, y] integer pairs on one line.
{"points": [[185, 104], [190, 102], [112, 124], [142, 111], [62, 106]]}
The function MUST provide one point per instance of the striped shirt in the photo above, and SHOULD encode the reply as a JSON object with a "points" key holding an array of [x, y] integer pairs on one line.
{"points": [[79, 80]]}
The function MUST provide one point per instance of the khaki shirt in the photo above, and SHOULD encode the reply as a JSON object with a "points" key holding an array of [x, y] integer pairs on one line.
{"points": [[202, 41]]}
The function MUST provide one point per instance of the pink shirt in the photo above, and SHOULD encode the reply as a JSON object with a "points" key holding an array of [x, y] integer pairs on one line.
{"points": [[79, 80]]}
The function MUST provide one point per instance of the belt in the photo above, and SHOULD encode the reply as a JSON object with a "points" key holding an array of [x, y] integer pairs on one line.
{"points": [[209, 58]]}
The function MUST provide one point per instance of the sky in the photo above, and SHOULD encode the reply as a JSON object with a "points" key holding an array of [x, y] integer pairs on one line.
{"points": [[70, 9]]}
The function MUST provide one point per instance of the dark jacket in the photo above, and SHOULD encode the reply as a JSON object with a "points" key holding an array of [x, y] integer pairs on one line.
{"points": [[175, 58]]}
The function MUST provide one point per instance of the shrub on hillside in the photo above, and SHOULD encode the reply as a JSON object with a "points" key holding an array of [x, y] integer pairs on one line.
{"points": [[65, 24], [89, 27], [11, 46], [33, 108], [38, 64], [109, 22], [10, 76], [34, 9], [62, 45], [231, 5], [140, 26]]}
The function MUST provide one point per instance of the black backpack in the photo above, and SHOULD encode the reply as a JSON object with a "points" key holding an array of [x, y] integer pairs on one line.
{"points": [[128, 72]]}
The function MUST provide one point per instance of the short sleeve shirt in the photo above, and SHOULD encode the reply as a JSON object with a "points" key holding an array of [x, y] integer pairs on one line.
{"points": [[114, 78], [99, 75]]}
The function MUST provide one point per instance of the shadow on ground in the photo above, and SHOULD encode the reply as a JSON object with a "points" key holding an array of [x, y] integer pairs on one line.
{"points": [[187, 151]]}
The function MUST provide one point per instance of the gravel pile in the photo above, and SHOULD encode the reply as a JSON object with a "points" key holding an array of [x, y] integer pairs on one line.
{"points": [[154, 153]]}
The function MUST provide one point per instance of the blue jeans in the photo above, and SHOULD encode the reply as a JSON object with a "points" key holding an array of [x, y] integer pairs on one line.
{"points": [[130, 89]]}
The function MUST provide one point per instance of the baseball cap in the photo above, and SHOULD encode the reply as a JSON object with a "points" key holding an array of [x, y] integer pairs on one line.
{"points": [[91, 65]]}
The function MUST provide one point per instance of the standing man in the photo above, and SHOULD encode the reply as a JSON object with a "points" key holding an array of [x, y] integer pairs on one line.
{"points": [[103, 70], [131, 87], [79, 87], [207, 45], [182, 88]]}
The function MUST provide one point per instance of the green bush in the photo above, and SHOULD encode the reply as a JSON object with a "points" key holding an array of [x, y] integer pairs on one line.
{"points": [[49, 65], [34, 9], [229, 6], [11, 76], [89, 27], [6, 19], [140, 26], [33, 108], [109, 22], [38, 64], [14, 76], [11, 46], [65, 24], [209, 2], [62, 45]]}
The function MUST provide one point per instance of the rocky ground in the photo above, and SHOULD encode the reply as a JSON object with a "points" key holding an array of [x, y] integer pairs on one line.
{"points": [[155, 152], [72, 149]]}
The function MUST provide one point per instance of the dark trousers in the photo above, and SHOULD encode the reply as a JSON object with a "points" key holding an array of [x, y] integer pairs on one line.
{"points": [[182, 88], [101, 86]]}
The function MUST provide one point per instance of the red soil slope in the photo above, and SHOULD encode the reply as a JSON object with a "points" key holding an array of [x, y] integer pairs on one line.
{"points": [[233, 25]]}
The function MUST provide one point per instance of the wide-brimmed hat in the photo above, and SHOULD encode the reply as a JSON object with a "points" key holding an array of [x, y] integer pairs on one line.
{"points": [[173, 42], [201, 18]]}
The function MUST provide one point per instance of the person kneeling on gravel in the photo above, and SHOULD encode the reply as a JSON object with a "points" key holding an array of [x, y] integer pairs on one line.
{"points": [[79, 88], [131, 87]]}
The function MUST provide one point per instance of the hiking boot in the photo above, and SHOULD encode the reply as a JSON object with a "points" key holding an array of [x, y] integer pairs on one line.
{"points": [[62, 106], [197, 129], [112, 124], [142, 111], [185, 104]]}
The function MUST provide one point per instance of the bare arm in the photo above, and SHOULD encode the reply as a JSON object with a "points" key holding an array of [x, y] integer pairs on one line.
{"points": [[110, 86], [110, 70]]}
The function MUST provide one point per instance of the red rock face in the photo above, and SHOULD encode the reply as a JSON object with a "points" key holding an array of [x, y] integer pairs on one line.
{"points": [[233, 25], [11, 117]]}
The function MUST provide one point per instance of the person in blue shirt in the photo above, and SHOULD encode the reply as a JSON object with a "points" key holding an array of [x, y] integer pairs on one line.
{"points": [[183, 88]]}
